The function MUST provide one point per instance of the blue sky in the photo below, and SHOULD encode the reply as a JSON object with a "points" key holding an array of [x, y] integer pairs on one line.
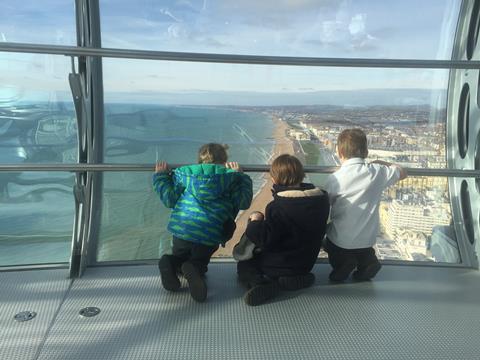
{"points": [[360, 28], [321, 28]]}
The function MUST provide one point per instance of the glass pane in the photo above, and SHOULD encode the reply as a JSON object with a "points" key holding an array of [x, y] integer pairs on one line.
{"points": [[165, 110], [37, 117], [364, 28], [134, 222], [36, 217], [38, 22], [416, 222], [37, 125]]}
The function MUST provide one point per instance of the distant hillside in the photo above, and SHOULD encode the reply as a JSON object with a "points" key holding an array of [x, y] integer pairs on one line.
{"points": [[364, 97]]}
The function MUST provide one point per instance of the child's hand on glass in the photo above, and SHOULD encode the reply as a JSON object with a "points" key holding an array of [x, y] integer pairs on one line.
{"points": [[161, 167], [233, 165], [256, 216]]}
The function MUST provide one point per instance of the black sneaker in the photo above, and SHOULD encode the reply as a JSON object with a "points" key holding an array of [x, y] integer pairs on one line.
{"points": [[168, 274], [196, 282], [368, 273], [342, 273], [296, 282], [260, 294]]}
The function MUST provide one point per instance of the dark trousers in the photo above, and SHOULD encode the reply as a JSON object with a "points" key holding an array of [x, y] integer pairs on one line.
{"points": [[250, 274], [197, 254], [338, 257]]}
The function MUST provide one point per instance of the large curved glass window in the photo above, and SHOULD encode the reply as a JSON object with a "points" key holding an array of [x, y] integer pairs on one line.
{"points": [[158, 110], [379, 29], [166, 111]]}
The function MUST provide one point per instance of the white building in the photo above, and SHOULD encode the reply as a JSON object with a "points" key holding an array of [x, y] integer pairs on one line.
{"points": [[415, 217]]}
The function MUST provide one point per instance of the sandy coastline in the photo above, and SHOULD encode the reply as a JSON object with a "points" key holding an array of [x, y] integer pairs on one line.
{"points": [[283, 145]]}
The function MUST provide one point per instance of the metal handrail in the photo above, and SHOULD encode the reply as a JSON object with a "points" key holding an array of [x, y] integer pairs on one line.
{"points": [[246, 167], [236, 59]]}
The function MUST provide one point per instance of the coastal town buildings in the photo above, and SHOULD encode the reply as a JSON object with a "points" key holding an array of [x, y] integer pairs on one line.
{"points": [[412, 137]]}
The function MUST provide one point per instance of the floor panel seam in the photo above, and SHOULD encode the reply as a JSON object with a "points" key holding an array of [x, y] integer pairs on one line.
{"points": [[52, 322]]}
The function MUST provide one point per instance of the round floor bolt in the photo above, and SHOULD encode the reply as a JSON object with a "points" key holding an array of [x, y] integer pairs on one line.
{"points": [[89, 311], [25, 316]]}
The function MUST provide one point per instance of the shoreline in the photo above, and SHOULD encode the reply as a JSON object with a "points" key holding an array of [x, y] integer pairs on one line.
{"points": [[263, 196]]}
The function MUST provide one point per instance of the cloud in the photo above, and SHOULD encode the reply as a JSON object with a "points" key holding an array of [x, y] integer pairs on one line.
{"points": [[360, 39], [177, 31], [185, 3], [274, 5], [357, 24], [169, 14], [138, 23], [332, 31], [344, 32]]}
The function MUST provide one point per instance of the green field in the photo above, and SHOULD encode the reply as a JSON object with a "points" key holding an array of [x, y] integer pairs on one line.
{"points": [[295, 126], [312, 152]]}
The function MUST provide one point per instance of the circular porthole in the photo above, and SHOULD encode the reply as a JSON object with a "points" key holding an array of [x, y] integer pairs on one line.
{"points": [[463, 120], [473, 30], [466, 211]]}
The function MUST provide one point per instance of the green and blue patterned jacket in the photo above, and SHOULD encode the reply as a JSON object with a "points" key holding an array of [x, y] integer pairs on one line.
{"points": [[203, 198]]}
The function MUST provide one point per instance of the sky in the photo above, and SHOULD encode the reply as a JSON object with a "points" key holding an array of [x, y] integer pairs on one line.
{"points": [[318, 28]]}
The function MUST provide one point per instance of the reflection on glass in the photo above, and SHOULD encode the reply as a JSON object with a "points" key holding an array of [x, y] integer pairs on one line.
{"points": [[36, 217], [37, 126], [37, 118], [369, 29]]}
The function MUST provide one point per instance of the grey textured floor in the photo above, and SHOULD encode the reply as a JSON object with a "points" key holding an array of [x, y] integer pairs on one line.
{"points": [[406, 313], [39, 291]]}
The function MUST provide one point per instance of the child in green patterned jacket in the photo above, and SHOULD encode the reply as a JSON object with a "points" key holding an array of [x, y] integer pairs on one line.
{"points": [[205, 199]]}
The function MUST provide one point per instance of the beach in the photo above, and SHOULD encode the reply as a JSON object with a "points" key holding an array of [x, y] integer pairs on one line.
{"points": [[282, 145]]}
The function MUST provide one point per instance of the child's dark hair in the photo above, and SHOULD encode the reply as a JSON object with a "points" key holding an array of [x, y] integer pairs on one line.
{"points": [[212, 153], [287, 170], [352, 143]]}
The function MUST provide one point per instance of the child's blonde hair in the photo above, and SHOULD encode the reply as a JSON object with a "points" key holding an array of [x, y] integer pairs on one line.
{"points": [[213, 153], [352, 143], [287, 170]]}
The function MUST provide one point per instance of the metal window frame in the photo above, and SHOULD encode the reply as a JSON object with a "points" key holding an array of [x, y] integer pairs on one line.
{"points": [[89, 54], [104, 167], [456, 137], [87, 92], [97, 51], [318, 261]]}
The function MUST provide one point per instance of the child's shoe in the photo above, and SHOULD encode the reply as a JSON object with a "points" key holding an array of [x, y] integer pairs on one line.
{"points": [[196, 282], [368, 273], [261, 293], [168, 274], [343, 272], [296, 282]]}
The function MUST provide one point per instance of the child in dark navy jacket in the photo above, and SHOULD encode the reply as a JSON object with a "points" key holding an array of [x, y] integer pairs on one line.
{"points": [[287, 239]]}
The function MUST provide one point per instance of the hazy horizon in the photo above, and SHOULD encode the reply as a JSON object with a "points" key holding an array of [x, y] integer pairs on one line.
{"points": [[435, 98]]}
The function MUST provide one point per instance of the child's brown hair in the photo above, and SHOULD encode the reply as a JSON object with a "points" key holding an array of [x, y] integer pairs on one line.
{"points": [[352, 143], [287, 170], [212, 153]]}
